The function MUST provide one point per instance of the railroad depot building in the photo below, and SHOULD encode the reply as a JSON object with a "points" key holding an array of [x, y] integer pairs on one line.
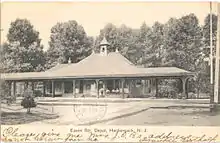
{"points": [[103, 74]]}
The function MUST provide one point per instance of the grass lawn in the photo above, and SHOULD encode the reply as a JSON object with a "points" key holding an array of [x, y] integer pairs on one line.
{"points": [[15, 114], [13, 118]]}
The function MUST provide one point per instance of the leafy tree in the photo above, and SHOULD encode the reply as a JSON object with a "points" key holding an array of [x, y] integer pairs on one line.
{"points": [[203, 67], [68, 40], [1, 58], [158, 44], [110, 32], [152, 41], [127, 43], [183, 41], [123, 38], [21, 59], [23, 52], [28, 101], [206, 30], [145, 45], [22, 31]]}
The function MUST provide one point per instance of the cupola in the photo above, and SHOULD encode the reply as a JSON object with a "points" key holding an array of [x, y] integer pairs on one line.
{"points": [[104, 47]]}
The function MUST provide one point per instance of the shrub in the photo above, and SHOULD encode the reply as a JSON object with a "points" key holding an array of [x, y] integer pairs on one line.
{"points": [[28, 101], [37, 93], [4, 89]]}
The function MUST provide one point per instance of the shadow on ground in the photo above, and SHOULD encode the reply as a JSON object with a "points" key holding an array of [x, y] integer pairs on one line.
{"points": [[13, 118]]}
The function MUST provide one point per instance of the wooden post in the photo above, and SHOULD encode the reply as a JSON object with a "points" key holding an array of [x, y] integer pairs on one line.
{"points": [[9, 86], [44, 88], [14, 88], [84, 87], [144, 87], [32, 86], [104, 87], [53, 89], [148, 86], [152, 84], [74, 88], [63, 88], [184, 80], [114, 84], [122, 86], [129, 86], [97, 87], [156, 87]]}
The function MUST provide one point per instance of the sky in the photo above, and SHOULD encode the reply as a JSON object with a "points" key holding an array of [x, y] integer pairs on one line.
{"points": [[93, 16]]}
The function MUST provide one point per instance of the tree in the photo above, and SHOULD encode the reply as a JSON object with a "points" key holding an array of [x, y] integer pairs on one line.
{"points": [[123, 38], [183, 41], [22, 31], [2, 58], [153, 42], [206, 30], [110, 32], [28, 101], [145, 46], [68, 40], [170, 42], [23, 52]]}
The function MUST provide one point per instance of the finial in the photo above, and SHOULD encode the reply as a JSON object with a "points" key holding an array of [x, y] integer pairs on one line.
{"points": [[69, 61]]}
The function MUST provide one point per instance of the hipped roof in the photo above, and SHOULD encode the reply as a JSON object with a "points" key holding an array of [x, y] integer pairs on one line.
{"points": [[98, 66]]}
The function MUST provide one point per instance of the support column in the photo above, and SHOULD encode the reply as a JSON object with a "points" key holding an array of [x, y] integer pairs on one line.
{"points": [[122, 86], [184, 91], [53, 89], [84, 87], [156, 87], [114, 84], [97, 87], [9, 86], [63, 88], [152, 86], [129, 86], [104, 87], [44, 88], [32, 86], [144, 87], [14, 89], [74, 88]]}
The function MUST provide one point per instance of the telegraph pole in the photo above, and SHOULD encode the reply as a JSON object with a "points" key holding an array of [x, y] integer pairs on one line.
{"points": [[217, 58], [211, 48], [211, 60]]}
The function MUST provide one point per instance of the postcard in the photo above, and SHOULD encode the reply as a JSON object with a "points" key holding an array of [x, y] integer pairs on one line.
{"points": [[120, 71]]}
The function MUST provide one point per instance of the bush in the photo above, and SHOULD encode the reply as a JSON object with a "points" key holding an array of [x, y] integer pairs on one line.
{"points": [[37, 93], [28, 101], [4, 89], [168, 91]]}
